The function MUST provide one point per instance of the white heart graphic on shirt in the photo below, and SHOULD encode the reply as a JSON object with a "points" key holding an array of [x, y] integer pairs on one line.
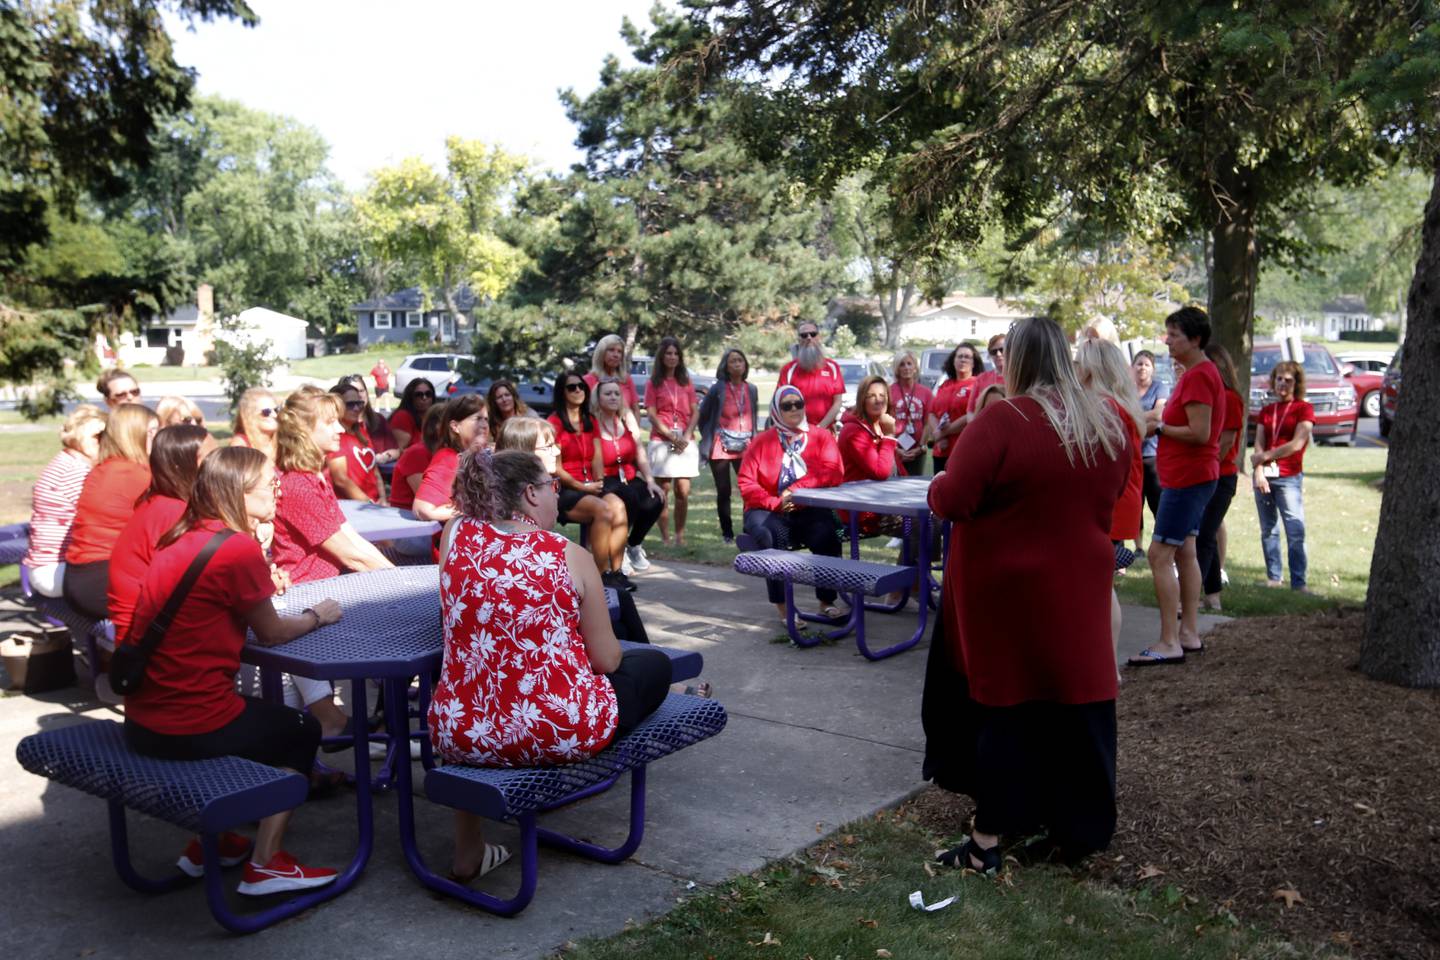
{"points": [[365, 457]]}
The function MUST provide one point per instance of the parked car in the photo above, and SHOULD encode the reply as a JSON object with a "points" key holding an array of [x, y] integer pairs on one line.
{"points": [[1390, 395], [932, 365], [441, 369], [1366, 373], [1332, 396], [641, 366], [535, 389], [856, 369]]}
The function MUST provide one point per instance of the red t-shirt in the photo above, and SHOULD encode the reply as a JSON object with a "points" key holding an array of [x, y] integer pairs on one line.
{"points": [[133, 553], [1279, 421], [819, 387], [382, 377], [952, 401], [1234, 420], [107, 502], [670, 404], [437, 486], [577, 450], [413, 461], [978, 386], [1125, 525], [1188, 464], [627, 389], [190, 678], [306, 515], [402, 420], [359, 459]]}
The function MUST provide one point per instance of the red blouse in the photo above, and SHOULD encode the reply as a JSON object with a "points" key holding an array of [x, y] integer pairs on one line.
{"points": [[402, 419], [759, 478], [618, 456], [670, 404], [306, 515], [1029, 525], [107, 502], [577, 450], [910, 407], [414, 460], [133, 552], [1127, 520]]}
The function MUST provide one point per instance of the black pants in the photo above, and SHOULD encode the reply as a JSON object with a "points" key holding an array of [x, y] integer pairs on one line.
{"points": [[1151, 488], [810, 527], [86, 587], [630, 626], [641, 682], [642, 507], [268, 733], [720, 471], [1207, 546]]}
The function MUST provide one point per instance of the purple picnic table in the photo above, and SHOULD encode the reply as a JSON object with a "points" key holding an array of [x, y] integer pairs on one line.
{"points": [[374, 522]]}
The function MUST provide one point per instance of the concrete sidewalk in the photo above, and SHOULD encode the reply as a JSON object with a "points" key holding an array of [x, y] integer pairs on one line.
{"points": [[816, 738]]}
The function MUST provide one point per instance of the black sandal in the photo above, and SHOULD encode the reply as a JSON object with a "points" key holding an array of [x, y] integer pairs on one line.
{"points": [[990, 860]]}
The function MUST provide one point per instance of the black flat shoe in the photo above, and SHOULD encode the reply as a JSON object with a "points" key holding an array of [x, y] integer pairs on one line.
{"points": [[990, 860]]}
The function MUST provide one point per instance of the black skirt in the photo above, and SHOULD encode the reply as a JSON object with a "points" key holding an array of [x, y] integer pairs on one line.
{"points": [[1030, 768]]}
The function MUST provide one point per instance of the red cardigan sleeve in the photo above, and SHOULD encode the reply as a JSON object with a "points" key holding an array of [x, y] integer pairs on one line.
{"points": [[864, 456], [822, 457], [955, 494], [758, 473]]}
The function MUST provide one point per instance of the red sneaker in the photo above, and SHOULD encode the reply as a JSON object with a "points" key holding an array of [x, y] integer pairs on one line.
{"points": [[233, 851], [282, 874]]}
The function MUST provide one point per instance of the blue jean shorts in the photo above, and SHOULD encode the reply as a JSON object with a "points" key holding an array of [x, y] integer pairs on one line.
{"points": [[1180, 513]]}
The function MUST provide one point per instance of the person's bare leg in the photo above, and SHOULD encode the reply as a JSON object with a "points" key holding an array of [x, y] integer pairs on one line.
{"points": [[1190, 587], [268, 836], [664, 521], [682, 506], [469, 843], [619, 529], [333, 721], [596, 513], [1167, 595]]}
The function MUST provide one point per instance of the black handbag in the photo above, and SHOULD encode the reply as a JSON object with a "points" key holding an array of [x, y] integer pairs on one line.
{"points": [[127, 663]]}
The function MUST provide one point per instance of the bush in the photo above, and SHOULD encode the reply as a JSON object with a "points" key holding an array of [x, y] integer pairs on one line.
{"points": [[1369, 336], [245, 360]]}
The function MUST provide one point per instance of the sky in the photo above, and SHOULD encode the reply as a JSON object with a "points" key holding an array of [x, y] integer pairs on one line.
{"points": [[385, 80]]}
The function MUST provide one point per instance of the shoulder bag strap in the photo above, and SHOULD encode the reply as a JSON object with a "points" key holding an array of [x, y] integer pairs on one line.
{"points": [[161, 623]]}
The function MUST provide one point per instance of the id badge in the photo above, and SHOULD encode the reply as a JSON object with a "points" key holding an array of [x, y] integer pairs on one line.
{"points": [[1270, 471], [905, 441]]}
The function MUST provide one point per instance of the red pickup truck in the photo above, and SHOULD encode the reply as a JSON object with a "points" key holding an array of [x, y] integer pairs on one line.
{"points": [[1333, 397]]}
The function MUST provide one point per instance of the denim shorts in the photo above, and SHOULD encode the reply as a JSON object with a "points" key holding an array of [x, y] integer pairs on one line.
{"points": [[1180, 513]]}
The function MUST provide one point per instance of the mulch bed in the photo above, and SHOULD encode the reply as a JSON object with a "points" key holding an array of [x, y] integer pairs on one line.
{"points": [[1272, 764]]}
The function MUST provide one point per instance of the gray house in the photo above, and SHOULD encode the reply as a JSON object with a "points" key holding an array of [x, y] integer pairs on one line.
{"points": [[397, 317]]}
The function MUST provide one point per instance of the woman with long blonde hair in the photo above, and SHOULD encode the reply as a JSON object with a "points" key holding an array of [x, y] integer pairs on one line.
{"points": [[56, 492], [1030, 662], [257, 421], [611, 362]]}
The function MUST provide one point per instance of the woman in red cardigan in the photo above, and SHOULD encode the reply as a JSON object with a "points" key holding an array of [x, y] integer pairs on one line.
{"points": [[790, 454], [868, 450], [1021, 713]]}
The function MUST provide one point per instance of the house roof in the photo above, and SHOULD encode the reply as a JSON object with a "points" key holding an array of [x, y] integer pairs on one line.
{"points": [[984, 307], [410, 299], [259, 316], [183, 316], [1346, 303]]}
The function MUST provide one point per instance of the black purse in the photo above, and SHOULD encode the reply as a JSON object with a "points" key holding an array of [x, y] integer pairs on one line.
{"points": [[127, 663]]}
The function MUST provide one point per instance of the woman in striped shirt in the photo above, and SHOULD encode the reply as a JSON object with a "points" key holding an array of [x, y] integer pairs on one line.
{"points": [[55, 495]]}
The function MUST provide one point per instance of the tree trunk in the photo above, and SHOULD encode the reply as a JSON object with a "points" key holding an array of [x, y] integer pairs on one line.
{"points": [[1402, 608], [1236, 269]]}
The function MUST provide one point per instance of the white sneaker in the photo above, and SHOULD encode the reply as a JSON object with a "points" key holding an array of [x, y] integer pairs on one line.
{"points": [[625, 568], [637, 558], [895, 544]]}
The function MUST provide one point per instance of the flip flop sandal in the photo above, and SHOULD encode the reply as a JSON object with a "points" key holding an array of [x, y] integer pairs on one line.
{"points": [[495, 855], [833, 613], [701, 689], [1147, 658]]}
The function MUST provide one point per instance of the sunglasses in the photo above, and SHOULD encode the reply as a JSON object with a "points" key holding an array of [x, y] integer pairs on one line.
{"points": [[810, 335], [196, 421], [354, 404], [124, 394], [577, 386], [997, 352], [790, 406], [423, 395]]}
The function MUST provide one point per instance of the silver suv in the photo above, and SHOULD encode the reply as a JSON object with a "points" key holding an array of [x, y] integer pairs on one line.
{"points": [[438, 368]]}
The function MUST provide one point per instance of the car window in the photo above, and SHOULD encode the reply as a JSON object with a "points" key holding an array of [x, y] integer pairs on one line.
{"points": [[1318, 360], [429, 363], [935, 362]]}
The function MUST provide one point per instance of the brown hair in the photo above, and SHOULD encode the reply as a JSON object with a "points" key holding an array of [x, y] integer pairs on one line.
{"points": [[219, 491], [523, 433], [489, 486], [110, 376], [125, 431], [1221, 358], [864, 387], [460, 408], [1284, 366], [247, 415], [174, 460], [303, 411], [172, 409], [492, 412], [78, 418], [430, 428]]}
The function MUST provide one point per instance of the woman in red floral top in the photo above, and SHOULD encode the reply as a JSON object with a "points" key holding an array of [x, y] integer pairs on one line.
{"points": [[532, 672]]}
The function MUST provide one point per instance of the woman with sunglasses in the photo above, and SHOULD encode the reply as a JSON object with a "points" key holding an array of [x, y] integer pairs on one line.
{"points": [[583, 499], [621, 460], [952, 400], [377, 427], [257, 421], [172, 410], [405, 422], [354, 468], [791, 456]]}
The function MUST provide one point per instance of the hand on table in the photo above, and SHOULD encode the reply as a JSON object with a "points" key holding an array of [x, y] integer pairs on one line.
{"points": [[327, 611]]}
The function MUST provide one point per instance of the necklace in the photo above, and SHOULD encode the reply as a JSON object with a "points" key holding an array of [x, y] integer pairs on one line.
{"points": [[522, 518]]}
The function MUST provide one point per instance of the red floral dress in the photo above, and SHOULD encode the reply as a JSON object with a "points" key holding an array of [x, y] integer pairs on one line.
{"points": [[516, 688]]}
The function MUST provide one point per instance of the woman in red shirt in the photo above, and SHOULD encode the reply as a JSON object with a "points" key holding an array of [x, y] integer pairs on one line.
{"points": [[672, 411], [910, 401], [868, 448], [175, 458], [1021, 713], [1210, 541], [377, 426], [502, 402], [952, 400], [410, 468], [583, 499], [787, 457], [257, 421], [415, 402], [106, 504], [1281, 436], [728, 416], [609, 362], [354, 468], [55, 494], [463, 426], [187, 708], [621, 462]]}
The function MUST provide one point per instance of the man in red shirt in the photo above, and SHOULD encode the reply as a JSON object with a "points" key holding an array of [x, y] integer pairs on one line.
{"points": [[817, 378], [1188, 461], [381, 374]]}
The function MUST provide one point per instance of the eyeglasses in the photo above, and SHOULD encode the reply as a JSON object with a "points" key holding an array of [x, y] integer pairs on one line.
{"points": [[268, 411], [553, 484], [965, 357], [577, 386], [197, 421], [354, 404], [997, 352], [125, 394], [790, 406], [808, 334], [1284, 379]]}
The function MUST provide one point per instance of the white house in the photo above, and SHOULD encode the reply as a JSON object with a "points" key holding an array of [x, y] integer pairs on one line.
{"points": [[184, 335], [957, 318], [1343, 313], [285, 333]]}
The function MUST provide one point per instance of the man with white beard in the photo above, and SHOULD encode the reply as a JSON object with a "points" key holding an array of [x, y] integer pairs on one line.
{"points": [[817, 378]]}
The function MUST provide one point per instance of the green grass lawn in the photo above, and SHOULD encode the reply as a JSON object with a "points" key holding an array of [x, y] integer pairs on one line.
{"points": [[848, 897]]}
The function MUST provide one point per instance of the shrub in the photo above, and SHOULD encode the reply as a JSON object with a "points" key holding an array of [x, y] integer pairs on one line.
{"points": [[1369, 336]]}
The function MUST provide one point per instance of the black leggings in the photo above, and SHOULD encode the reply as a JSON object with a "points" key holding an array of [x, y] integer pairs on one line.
{"points": [[268, 733], [810, 527], [1207, 545], [86, 587], [641, 682], [720, 471], [642, 507], [630, 626], [1152, 489]]}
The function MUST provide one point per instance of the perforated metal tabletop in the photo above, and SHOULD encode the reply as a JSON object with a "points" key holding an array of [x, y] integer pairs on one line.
{"points": [[903, 496], [374, 522]]}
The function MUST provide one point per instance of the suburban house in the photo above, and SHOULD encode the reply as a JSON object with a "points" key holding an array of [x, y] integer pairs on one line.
{"points": [[182, 337], [286, 334], [959, 317], [1343, 313], [397, 317]]}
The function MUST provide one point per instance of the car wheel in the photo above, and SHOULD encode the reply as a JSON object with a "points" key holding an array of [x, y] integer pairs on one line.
{"points": [[1385, 424], [1370, 405]]}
